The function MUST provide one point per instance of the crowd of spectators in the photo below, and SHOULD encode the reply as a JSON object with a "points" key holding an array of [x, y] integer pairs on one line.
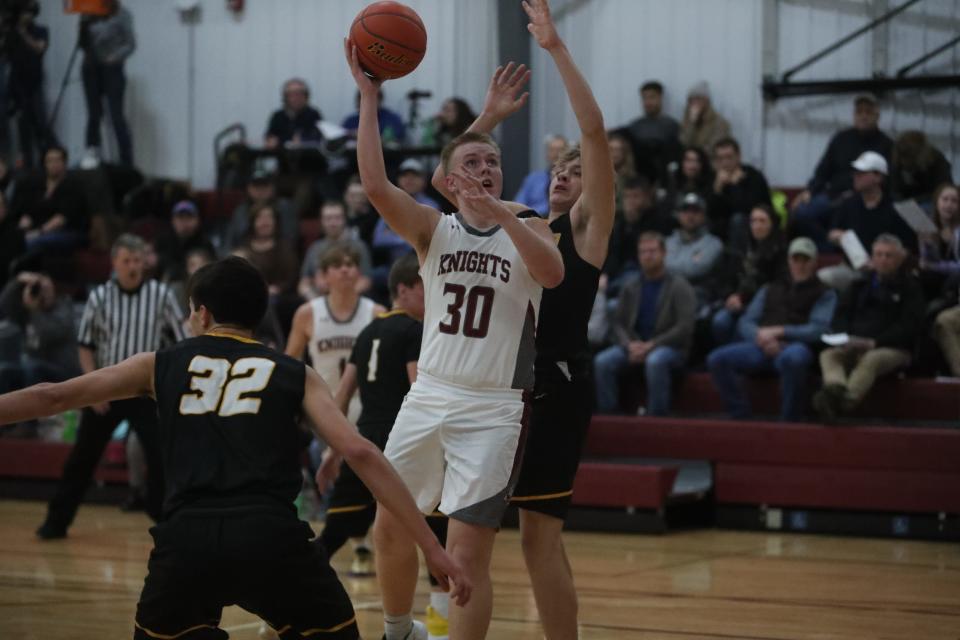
{"points": [[707, 270]]}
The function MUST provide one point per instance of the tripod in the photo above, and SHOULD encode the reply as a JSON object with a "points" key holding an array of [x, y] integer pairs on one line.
{"points": [[63, 85]]}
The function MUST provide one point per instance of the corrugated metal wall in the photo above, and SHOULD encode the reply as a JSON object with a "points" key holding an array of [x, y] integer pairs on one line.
{"points": [[621, 43], [240, 65]]}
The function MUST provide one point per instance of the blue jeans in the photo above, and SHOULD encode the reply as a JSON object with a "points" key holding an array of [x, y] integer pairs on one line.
{"points": [[813, 220], [727, 363], [658, 371], [723, 327]]}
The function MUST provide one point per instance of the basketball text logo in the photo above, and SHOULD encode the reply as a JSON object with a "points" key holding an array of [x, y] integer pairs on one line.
{"points": [[379, 51]]}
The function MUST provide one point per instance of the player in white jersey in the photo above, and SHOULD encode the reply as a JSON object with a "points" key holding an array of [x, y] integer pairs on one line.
{"points": [[455, 438], [329, 325]]}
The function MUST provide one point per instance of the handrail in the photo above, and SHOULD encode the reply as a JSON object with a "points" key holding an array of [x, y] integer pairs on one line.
{"points": [[848, 38], [919, 61]]}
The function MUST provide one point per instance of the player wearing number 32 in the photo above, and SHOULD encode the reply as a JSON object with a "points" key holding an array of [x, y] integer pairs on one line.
{"points": [[456, 436], [229, 409]]}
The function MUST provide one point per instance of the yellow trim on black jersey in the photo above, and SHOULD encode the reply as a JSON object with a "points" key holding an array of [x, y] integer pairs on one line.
{"points": [[154, 634], [342, 625], [394, 312], [350, 509], [546, 496], [217, 334]]}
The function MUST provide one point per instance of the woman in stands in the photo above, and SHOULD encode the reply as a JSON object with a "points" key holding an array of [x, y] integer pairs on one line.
{"points": [[693, 174], [454, 118], [940, 251]]}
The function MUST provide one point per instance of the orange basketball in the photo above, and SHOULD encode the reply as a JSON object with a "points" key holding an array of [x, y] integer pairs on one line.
{"points": [[390, 39]]}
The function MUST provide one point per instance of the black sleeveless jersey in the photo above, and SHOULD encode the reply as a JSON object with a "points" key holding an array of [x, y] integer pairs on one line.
{"points": [[565, 310], [229, 411], [381, 354]]}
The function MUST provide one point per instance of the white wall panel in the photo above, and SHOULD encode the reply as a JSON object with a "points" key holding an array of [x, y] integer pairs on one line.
{"points": [[240, 64]]}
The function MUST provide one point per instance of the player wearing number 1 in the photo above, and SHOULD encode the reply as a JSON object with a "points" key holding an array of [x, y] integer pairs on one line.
{"points": [[229, 408], [456, 436]]}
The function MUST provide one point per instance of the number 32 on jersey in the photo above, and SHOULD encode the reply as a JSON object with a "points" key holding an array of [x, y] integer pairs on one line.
{"points": [[219, 387]]}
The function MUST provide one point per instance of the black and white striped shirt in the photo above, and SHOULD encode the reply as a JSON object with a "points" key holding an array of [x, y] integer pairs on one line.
{"points": [[118, 324]]}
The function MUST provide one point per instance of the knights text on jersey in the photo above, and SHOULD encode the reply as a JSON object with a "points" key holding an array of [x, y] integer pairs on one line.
{"points": [[481, 308], [332, 340]]}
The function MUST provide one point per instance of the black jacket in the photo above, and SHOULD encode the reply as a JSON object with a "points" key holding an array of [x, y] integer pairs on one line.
{"points": [[888, 311], [833, 174]]}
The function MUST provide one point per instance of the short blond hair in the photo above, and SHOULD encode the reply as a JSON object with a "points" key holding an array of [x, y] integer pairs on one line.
{"points": [[462, 139]]}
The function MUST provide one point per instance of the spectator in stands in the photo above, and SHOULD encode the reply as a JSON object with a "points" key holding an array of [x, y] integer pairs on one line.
{"points": [[30, 301], [361, 216], [946, 330], [692, 175], [702, 126], [917, 168], [454, 118], [261, 190], [52, 208], [868, 213], [779, 332], [692, 252], [28, 42], [333, 225], [295, 123], [11, 239], [124, 316], [624, 164], [533, 190], [763, 262], [267, 251], [940, 252], [393, 132], [652, 328], [882, 314], [196, 257], [107, 41], [185, 234], [833, 178], [737, 189], [655, 134], [639, 214]]}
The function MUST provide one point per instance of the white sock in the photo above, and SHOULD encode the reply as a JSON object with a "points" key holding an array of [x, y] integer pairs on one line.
{"points": [[440, 602], [397, 627]]}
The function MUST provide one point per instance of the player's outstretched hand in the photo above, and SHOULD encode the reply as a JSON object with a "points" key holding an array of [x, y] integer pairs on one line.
{"points": [[366, 84], [541, 25], [471, 189], [502, 101], [449, 574]]}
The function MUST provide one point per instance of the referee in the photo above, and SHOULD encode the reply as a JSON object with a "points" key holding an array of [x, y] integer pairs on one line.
{"points": [[124, 316]]}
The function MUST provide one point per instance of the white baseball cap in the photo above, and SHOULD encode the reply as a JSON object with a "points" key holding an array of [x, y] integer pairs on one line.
{"points": [[870, 161]]}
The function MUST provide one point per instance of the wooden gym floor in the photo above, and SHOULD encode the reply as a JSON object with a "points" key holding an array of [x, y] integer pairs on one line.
{"points": [[699, 585]]}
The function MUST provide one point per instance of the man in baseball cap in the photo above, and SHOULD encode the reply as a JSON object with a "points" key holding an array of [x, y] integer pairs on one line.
{"points": [[868, 213], [778, 331]]}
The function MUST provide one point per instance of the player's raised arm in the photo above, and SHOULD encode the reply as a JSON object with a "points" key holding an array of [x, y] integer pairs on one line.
{"points": [[368, 462], [597, 202], [501, 102], [413, 221], [129, 379]]}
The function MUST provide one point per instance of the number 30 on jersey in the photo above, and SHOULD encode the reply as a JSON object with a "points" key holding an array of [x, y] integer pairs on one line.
{"points": [[221, 388]]}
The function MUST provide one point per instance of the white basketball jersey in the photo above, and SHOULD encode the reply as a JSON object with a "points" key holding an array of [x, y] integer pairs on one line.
{"points": [[481, 308], [333, 340]]}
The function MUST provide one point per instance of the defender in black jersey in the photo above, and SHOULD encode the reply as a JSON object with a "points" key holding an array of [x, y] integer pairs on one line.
{"points": [[228, 419], [582, 201], [383, 364]]}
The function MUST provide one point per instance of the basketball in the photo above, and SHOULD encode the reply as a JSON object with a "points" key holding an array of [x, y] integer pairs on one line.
{"points": [[390, 39]]}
